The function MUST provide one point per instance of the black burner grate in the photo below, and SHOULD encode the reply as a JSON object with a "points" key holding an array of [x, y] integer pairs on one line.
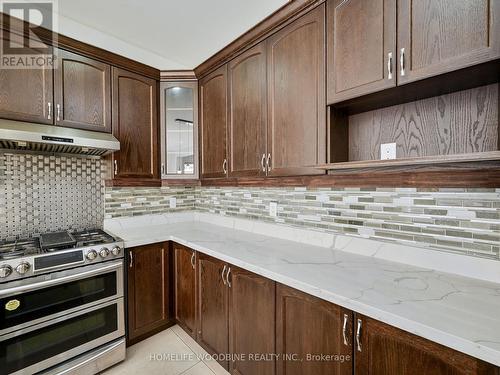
{"points": [[14, 249]]}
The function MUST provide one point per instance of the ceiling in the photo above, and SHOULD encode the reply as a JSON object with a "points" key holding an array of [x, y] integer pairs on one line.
{"points": [[165, 34]]}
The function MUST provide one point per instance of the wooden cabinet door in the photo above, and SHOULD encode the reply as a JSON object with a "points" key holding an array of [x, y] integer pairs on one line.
{"points": [[213, 312], [135, 125], [361, 39], [185, 288], [296, 96], [445, 35], [387, 350], [251, 322], [248, 113], [82, 91], [26, 94], [213, 108], [148, 290], [306, 325]]}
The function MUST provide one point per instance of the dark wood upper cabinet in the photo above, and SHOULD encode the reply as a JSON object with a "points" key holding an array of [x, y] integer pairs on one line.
{"points": [[135, 125], [296, 96], [213, 122], [82, 93], [441, 36], [251, 322], [306, 325], [387, 350], [248, 113], [361, 39], [26, 94], [185, 288], [148, 290], [213, 308]]}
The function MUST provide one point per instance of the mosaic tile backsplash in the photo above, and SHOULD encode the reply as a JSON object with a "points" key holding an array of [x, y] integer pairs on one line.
{"points": [[466, 221], [49, 193]]}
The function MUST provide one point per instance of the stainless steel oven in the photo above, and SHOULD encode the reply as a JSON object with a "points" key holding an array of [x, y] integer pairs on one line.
{"points": [[48, 319]]}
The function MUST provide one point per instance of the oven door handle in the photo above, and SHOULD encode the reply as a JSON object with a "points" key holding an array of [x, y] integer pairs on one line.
{"points": [[60, 280]]}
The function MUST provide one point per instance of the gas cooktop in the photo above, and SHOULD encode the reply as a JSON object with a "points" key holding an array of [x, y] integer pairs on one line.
{"points": [[29, 256]]}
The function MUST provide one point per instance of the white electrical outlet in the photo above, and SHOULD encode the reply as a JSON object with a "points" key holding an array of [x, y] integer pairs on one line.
{"points": [[387, 151], [273, 209], [173, 202]]}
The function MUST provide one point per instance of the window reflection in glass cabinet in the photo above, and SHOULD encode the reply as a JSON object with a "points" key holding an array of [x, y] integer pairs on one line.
{"points": [[179, 129]]}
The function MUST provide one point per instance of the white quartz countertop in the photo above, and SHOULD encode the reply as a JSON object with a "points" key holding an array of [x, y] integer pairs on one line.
{"points": [[459, 312]]}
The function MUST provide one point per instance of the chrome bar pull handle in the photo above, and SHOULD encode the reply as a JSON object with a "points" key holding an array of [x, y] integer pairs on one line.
{"points": [[402, 62], [116, 167], [224, 271], [389, 65], [358, 335], [344, 330], [193, 264], [58, 116], [262, 161], [131, 259], [49, 111], [227, 277], [268, 162], [224, 166]]}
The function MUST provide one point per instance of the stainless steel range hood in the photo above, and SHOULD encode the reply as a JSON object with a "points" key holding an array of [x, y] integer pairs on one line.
{"points": [[26, 136]]}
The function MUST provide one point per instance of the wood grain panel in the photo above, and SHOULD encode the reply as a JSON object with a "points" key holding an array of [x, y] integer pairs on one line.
{"points": [[213, 122], [148, 290], [135, 125], [296, 101], [247, 112], [388, 350], [306, 325], [462, 122], [82, 87], [213, 311], [446, 35], [360, 36], [185, 288], [251, 322]]}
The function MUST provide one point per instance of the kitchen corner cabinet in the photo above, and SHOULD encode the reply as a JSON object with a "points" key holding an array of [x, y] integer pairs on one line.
{"points": [[185, 288], [361, 38], [213, 122], [82, 93], [251, 322], [296, 96], [135, 125], [213, 294], [247, 113], [306, 325], [383, 349], [148, 288]]}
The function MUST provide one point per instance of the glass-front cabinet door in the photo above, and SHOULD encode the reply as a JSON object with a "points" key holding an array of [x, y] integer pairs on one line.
{"points": [[179, 129]]}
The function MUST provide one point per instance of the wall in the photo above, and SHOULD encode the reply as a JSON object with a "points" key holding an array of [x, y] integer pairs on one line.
{"points": [[465, 221], [49, 193]]}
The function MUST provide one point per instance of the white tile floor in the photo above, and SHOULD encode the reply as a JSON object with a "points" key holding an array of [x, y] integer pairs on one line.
{"points": [[174, 352]]}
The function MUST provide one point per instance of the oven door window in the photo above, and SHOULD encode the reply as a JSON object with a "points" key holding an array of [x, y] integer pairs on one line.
{"points": [[33, 347], [26, 307]]}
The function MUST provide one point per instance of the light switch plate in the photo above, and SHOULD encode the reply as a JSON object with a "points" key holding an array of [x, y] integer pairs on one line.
{"points": [[273, 209], [173, 202], [387, 151]]}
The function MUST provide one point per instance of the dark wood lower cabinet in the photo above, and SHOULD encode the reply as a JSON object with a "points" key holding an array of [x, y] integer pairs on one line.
{"points": [[213, 309], [251, 323], [387, 350], [307, 331], [185, 288], [148, 291]]}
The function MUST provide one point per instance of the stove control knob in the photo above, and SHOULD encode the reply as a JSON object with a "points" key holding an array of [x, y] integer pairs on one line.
{"points": [[116, 250], [22, 268], [104, 252], [91, 255], [5, 271]]}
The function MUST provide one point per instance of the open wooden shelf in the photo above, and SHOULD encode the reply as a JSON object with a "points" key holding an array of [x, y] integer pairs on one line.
{"points": [[427, 160]]}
